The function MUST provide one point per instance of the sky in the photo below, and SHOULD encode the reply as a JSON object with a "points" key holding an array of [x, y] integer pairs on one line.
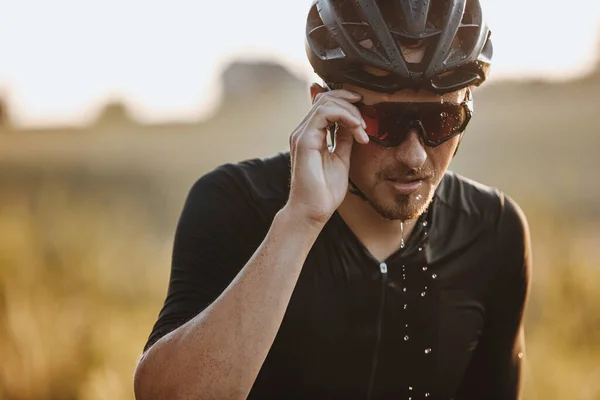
{"points": [[61, 60]]}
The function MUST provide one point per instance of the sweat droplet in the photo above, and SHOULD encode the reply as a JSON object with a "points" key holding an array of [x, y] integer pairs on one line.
{"points": [[425, 268], [423, 294], [419, 197], [434, 276], [406, 337], [427, 351], [520, 355]]}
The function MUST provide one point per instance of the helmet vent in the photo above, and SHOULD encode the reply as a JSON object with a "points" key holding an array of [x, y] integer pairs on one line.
{"points": [[437, 14], [366, 43]]}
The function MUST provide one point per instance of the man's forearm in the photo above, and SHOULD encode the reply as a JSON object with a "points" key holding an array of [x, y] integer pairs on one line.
{"points": [[219, 353]]}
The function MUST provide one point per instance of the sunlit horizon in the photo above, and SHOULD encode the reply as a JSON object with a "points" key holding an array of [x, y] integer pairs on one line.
{"points": [[62, 61]]}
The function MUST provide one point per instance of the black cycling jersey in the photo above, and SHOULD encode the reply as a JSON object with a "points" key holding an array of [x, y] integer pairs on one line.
{"points": [[439, 319]]}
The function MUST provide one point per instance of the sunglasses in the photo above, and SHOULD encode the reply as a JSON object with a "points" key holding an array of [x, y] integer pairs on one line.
{"points": [[389, 123]]}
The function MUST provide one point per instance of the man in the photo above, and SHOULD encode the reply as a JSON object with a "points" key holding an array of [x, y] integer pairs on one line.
{"points": [[362, 270]]}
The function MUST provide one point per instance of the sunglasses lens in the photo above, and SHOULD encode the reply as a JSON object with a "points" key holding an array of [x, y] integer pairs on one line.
{"points": [[444, 122], [385, 122], [388, 123]]}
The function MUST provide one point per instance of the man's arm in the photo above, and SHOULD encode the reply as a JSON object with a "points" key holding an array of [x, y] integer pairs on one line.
{"points": [[219, 352], [495, 370]]}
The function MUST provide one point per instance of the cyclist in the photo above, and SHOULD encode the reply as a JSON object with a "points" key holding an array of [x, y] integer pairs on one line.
{"points": [[360, 269]]}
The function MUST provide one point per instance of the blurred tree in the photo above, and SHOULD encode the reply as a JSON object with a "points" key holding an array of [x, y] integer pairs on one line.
{"points": [[114, 114], [5, 122]]}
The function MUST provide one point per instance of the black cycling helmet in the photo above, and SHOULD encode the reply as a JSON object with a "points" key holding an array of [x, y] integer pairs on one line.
{"points": [[345, 36]]}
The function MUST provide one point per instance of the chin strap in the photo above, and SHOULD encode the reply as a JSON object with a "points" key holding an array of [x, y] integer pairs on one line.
{"points": [[356, 191]]}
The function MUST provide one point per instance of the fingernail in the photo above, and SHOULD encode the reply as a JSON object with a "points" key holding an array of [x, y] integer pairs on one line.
{"points": [[364, 124]]}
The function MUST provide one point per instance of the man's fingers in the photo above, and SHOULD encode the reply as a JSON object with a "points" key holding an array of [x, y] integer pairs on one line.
{"points": [[345, 95], [330, 113], [348, 106], [330, 107], [327, 114]]}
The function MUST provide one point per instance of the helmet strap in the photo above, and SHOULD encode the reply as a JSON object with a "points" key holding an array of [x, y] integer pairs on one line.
{"points": [[352, 188]]}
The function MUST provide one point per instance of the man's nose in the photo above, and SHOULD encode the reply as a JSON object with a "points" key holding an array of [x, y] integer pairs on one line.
{"points": [[411, 152]]}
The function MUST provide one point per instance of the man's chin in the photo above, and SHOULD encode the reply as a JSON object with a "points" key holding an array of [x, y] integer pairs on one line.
{"points": [[403, 207]]}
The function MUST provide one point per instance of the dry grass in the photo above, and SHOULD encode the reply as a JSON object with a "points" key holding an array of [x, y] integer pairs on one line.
{"points": [[563, 323], [80, 283]]}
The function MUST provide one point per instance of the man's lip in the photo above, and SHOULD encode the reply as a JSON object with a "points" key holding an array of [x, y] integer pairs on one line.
{"points": [[405, 187], [406, 180]]}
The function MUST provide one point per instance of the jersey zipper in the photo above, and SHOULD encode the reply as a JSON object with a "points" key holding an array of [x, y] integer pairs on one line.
{"points": [[384, 275]]}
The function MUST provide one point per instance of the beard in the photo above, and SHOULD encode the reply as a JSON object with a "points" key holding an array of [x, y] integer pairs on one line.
{"points": [[404, 207]]}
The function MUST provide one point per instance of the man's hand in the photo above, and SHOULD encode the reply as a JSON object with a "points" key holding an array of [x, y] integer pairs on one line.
{"points": [[320, 175]]}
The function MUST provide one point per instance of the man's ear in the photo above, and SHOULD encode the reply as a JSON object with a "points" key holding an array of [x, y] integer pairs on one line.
{"points": [[315, 89]]}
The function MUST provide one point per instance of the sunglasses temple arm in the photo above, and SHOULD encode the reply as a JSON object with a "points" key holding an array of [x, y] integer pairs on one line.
{"points": [[332, 131]]}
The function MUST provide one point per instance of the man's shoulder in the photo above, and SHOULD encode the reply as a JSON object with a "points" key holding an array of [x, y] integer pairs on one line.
{"points": [[259, 178], [475, 199]]}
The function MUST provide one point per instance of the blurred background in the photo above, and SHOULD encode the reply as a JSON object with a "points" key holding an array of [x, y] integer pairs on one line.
{"points": [[110, 110]]}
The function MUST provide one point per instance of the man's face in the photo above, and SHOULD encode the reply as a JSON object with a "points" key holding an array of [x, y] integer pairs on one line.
{"points": [[400, 182]]}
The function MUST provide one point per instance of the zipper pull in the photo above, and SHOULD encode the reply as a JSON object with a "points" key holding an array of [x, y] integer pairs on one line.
{"points": [[383, 268]]}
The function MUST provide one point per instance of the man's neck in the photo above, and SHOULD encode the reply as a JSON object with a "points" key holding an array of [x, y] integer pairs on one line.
{"points": [[381, 236]]}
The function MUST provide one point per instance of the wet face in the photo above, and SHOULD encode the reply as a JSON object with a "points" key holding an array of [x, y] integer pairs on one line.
{"points": [[400, 182]]}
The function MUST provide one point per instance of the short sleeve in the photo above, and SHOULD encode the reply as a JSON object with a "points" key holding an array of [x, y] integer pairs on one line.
{"points": [[495, 371], [219, 229]]}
